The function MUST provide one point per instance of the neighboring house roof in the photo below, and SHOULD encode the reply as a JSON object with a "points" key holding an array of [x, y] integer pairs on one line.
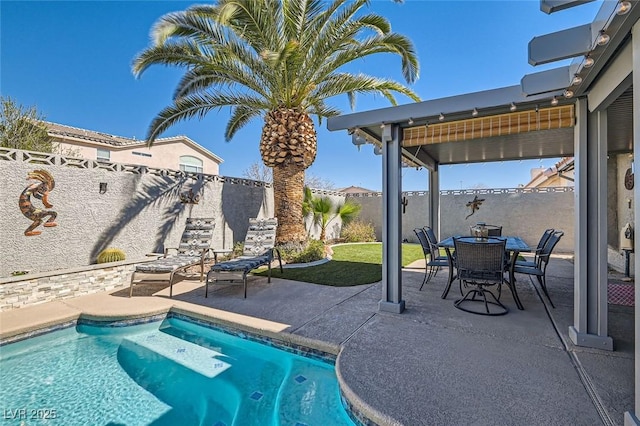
{"points": [[92, 137], [563, 167], [354, 190]]}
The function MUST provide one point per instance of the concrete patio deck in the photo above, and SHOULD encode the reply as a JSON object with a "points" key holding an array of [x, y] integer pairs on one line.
{"points": [[431, 365]]}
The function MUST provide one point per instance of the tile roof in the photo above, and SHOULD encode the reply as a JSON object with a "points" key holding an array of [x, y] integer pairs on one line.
{"points": [[61, 130]]}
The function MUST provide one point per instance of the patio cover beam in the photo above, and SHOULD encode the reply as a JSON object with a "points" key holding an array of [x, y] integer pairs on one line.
{"points": [[553, 80], [591, 264], [551, 6], [391, 221], [612, 82], [560, 45], [631, 417], [434, 201]]}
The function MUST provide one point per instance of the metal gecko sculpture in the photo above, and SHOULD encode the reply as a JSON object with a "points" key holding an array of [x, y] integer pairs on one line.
{"points": [[39, 190], [475, 205], [189, 197]]}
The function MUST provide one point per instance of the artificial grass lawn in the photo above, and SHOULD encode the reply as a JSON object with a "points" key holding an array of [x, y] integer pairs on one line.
{"points": [[351, 264]]}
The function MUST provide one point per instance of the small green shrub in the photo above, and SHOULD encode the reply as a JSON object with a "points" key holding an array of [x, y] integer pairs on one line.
{"points": [[314, 250], [111, 255], [358, 232], [238, 249]]}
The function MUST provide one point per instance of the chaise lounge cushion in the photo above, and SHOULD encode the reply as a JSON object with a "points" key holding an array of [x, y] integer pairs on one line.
{"points": [[243, 264], [167, 264], [258, 250]]}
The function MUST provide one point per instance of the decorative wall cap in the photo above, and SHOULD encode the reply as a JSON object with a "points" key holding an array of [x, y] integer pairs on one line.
{"points": [[48, 159]]}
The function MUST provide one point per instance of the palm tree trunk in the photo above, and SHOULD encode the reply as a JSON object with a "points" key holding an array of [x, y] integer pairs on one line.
{"points": [[288, 194]]}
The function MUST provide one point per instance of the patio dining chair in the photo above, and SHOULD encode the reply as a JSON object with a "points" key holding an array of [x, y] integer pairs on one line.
{"points": [[194, 249], [540, 270], [259, 248], [536, 255], [432, 258], [480, 265]]}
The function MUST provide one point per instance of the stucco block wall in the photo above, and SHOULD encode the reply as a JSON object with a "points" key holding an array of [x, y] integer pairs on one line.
{"points": [[140, 212], [526, 213], [415, 214]]}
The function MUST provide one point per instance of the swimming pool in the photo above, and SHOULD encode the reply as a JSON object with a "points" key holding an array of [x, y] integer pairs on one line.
{"points": [[170, 372]]}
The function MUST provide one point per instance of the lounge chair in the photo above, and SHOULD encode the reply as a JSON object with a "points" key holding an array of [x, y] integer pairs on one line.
{"points": [[194, 249], [258, 251]]}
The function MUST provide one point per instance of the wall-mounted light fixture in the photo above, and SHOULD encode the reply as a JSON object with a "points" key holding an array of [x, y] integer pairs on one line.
{"points": [[623, 8], [410, 122], [603, 38], [588, 61], [513, 107], [103, 187], [568, 94], [554, 101], [576, 80], [474, 113], [441, 117]]}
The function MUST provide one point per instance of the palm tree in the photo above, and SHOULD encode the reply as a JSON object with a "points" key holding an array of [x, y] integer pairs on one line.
{"points": [[325, 211], [279, 60]]}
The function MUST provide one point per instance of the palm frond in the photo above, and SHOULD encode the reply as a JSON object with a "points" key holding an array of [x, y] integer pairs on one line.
{"points": [[196, 25], [185, 54], [240, 116], [197, 105], [361, 83], [348, 211]]}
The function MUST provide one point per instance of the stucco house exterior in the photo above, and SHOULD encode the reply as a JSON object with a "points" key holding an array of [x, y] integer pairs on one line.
{"points": [[175, 152], [560, 174]]}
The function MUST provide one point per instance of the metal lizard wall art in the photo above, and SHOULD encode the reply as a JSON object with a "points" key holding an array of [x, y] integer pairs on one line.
{"points": [[475, 205], [39, 190]]}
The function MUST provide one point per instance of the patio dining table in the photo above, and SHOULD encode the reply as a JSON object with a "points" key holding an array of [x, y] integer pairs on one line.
{"points": [[514, 245]]}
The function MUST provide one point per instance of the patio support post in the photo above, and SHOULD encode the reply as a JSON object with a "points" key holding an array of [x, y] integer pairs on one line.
{"points": [[391, 221], [590, 278], [631, 417], [434, 200]]}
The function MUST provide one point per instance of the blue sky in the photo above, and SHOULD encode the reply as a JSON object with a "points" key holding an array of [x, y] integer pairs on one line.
{"points": [[72, 60]]}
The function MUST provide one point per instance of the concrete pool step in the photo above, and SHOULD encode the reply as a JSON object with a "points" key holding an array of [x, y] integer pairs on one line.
{"points": [[194, 357]]}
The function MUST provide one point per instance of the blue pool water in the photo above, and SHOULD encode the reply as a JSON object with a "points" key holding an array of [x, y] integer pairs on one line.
{"points": [[173, 372]]}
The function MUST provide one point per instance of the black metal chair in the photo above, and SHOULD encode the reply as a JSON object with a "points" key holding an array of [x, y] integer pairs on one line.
{"points": [[540, 270], [480, 264], [536, 259], [432, 258]]}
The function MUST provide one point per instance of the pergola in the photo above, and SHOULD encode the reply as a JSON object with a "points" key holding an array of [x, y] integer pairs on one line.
{"points": [[584, 110]]}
